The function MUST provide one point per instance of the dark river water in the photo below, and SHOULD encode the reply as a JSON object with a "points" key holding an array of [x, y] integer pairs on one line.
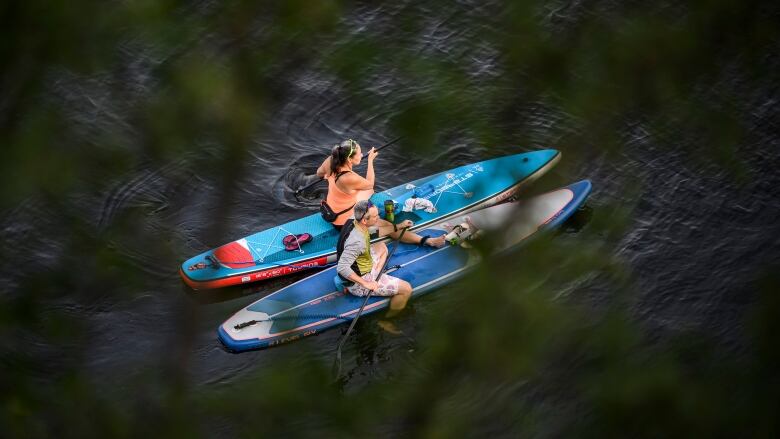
{"points": [[696, 232]]}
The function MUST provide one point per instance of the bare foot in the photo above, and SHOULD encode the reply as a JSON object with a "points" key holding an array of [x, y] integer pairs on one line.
{"points": [[389, 327]]}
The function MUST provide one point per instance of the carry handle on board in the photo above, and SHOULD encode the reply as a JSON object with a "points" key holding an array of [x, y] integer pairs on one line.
{"points": [[298, 192]]}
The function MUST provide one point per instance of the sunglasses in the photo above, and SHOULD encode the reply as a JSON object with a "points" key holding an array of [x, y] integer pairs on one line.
{"points": [[368, 207]]}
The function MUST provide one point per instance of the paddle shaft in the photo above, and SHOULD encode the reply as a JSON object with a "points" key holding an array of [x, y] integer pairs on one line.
{"points": [[370, 292], [389, 143], [377, 150]]}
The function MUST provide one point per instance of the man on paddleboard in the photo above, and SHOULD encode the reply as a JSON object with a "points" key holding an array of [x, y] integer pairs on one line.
{"points": [[346, 187], [360, 262]]}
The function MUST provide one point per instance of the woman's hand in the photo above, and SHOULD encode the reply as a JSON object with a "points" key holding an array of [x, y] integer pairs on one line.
{"points": [[372, 154], [405, 224]]}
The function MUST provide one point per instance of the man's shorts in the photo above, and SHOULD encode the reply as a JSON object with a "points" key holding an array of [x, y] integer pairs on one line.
{"points": [[388, 285]]}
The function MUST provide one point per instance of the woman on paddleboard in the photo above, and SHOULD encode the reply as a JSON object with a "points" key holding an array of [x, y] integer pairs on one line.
{"points": [[346, 187]]}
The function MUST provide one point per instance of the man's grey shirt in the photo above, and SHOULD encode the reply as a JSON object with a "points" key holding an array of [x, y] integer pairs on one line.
{"points": [[354, 246]]}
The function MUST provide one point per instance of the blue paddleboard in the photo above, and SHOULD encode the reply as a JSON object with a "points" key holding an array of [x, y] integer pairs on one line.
{"points": [[263, 255], [313, 304]]}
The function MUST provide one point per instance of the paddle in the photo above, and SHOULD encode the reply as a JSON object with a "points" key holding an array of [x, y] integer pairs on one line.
{"points": [[298, 192], [365, 301]]}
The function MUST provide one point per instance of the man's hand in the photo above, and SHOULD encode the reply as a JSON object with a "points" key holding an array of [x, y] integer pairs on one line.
{"points": [[405, 224], [370, 285]]}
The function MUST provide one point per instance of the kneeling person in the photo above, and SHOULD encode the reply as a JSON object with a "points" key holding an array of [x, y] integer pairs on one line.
{"points": [[359, 261]]}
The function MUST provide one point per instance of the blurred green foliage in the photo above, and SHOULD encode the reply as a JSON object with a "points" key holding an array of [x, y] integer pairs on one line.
{"points": [[518, 364]]}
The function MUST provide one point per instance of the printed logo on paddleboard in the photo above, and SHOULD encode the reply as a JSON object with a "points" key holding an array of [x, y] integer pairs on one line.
{"points": [[451, 182]]}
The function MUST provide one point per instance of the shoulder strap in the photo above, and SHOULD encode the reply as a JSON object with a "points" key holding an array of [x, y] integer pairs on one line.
{"points": [[345, 210], [338, 175]]}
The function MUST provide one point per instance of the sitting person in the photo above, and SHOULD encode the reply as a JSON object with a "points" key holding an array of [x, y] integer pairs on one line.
{"points": [[359, 263], [346, 187]]}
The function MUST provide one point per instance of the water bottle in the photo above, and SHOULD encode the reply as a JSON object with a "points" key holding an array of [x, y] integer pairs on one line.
{"points": [[390, 210]]}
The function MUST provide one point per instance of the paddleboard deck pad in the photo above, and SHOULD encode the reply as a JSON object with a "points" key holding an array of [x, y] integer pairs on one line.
{"points": [[280, 250], [314, 304]]}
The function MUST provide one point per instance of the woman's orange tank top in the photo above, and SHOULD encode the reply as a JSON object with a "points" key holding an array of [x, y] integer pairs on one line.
{"points": [[339, 200]]}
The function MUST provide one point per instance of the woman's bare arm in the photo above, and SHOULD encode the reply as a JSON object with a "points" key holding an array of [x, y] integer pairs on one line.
{"points": [[356, 182], [324, 170], [370, 172], [353, 181]]}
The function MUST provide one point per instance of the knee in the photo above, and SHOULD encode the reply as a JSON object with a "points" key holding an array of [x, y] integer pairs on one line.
{"points": [[405, 288]]}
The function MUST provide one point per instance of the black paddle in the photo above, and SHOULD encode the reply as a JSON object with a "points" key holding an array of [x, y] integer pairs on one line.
{"points": [[298, 192], [365, 301]]}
